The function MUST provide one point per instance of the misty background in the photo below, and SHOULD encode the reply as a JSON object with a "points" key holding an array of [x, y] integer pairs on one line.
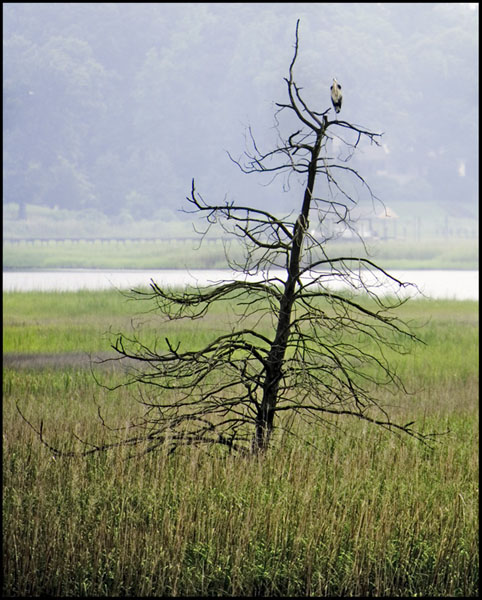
{"points": [[110, 109]]}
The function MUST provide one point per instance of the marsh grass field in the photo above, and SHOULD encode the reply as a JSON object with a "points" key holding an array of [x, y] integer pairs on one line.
{"points": [[343, 510]]}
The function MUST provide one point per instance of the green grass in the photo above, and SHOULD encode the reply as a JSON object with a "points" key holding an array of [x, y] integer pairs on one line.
{"points": [[394, 254], [57, 322], [366, 514], [115, 255], [61, 322], [84, 321]]}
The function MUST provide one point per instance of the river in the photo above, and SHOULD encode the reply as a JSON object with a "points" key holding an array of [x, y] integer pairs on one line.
{"points": [[457, 285]]}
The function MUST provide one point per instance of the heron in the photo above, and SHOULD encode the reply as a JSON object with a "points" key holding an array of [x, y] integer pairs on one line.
{"points": [[336, 95]]}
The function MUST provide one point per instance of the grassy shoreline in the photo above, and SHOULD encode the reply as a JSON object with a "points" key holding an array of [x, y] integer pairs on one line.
{"points": [[363, 514], [456, 254]]}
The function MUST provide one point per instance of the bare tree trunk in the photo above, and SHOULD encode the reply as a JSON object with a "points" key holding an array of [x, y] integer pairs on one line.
{"points": [[275, 360]]}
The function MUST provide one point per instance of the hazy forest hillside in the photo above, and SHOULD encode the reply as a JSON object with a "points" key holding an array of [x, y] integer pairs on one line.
{"points": [[112, 108]]}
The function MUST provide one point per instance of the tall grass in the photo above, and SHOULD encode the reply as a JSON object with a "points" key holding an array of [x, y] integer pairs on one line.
{"points": [[62, 321], [53, 321], [347, 510], [85, 321]]}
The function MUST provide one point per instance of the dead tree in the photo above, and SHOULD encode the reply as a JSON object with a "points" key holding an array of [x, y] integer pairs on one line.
{"points": [[325, 354]]}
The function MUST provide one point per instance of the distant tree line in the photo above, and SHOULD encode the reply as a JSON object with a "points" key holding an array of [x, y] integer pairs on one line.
{"points": [[113, 106]]}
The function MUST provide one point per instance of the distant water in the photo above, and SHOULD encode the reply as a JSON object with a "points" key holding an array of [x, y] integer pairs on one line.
{"points": [[458, 285]]}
